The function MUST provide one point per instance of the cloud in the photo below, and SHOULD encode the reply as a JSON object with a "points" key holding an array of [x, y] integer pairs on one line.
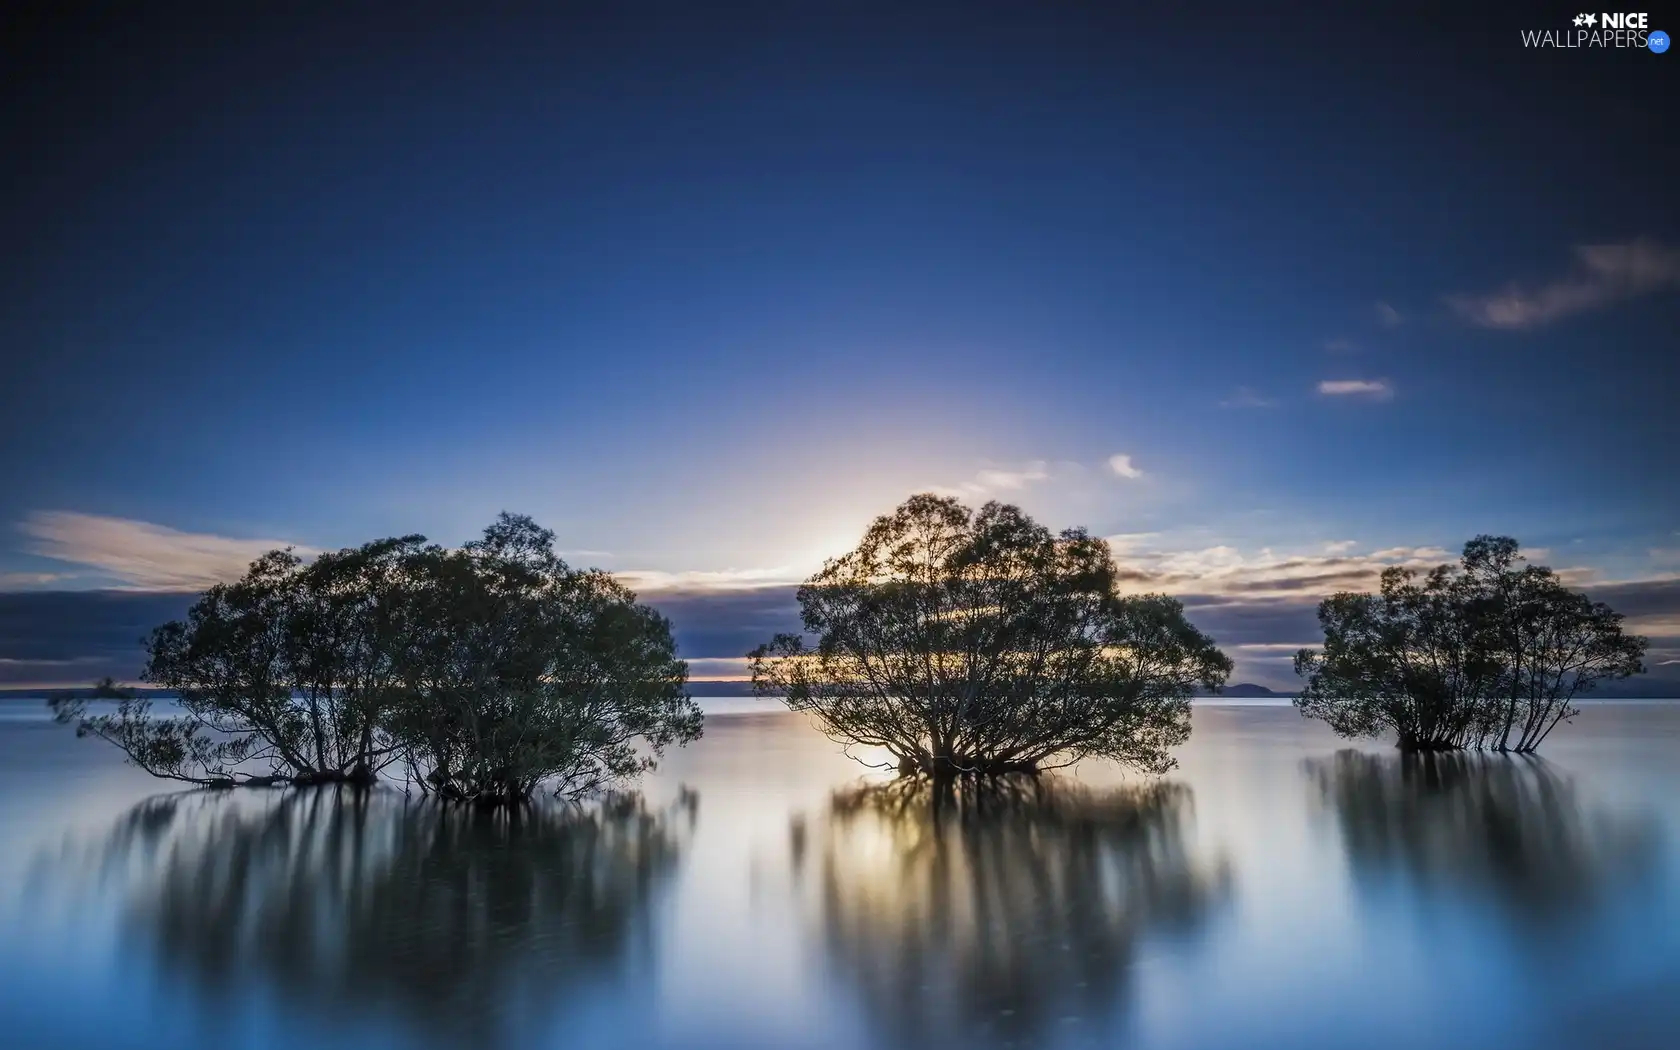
{"points": [[1387, 314], [726, 624], [1121, 464], [13, 581], [992, 480], [1226, 572], [1247, 397], [143, 555], [1124, 542], [1652, 607], [715, 669], [1340, 346], [1605, 274], [1375, 389], [77, 637], [655, 580]]}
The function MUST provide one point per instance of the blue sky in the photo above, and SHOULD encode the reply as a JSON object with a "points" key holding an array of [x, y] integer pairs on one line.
{"points": [[705, 292]]}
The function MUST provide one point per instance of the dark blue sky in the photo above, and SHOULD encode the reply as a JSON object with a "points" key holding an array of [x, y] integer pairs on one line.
{"points": [[703, 291]]}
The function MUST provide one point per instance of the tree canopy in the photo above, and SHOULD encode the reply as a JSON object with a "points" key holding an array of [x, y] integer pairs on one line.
{"points": [[981, 642], [483, 672], [1488, 654], [516, 669]]}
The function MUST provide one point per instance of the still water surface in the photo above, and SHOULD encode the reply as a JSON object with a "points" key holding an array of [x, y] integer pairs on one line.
{"points": [[1278, 890]]}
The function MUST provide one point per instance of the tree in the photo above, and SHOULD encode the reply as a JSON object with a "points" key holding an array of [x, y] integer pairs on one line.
{"points": [[517, 670], [1486, 654], [1399, 661], [169, 748], [966, 642], [284, 670], [488, 670], [1549, 644], [340, 638]]}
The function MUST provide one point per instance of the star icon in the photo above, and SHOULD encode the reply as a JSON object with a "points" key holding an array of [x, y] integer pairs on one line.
{"points": [[1592, 20], [1580, 20]]}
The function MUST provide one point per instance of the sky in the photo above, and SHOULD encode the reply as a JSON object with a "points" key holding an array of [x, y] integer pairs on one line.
{"points": [[1272, 301]]}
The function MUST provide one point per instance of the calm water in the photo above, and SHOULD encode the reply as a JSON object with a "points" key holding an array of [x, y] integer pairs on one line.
{"points": [[1279, 890]]}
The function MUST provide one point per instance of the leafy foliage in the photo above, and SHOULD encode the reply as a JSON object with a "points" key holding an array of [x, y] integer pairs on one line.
{"points": [[170, 748], [1485, 654], [486, 671], [966, 642], [516, 669]]}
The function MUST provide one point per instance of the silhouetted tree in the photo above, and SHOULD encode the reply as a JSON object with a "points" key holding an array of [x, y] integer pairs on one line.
{"points": [[170, 748], [517, 670], [488, 670], [1402, 661], [1463, 656], [990, 911], [1548, 643], [968, 642], [286, 668]]}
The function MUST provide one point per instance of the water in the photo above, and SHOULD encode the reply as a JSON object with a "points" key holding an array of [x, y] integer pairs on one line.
{"points": [[1279, 890]]}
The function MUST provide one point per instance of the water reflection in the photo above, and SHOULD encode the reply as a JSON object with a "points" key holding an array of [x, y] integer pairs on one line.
{"points": [[1510, 829], [468, 925], [998, 914]]}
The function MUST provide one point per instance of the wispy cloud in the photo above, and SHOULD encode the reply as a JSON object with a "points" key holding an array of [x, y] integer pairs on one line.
{"points": [[142, 555], [1340, 346], [1605, 274], [1122, 465], [718, 669], [1230, 572], [1375, 389], [1125, 542], [709, 580], [1247, 397], [1387, 314], [994, 480], [13, 581]]}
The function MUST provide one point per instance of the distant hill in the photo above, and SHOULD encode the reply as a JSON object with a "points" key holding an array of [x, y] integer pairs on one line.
{"points": [[1639, 687], [1249, 690]]}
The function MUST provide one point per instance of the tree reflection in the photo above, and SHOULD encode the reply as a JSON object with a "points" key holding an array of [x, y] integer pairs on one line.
{"points": [[991, 912], [1509, 828], [463, 922]]}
